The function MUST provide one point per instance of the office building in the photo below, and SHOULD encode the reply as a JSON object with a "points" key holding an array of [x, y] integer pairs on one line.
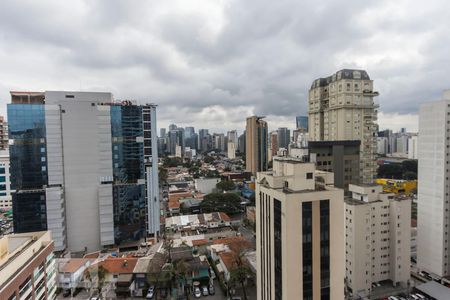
{"points": [[284, 137], [190, 138], [299, 233], [339, 157], [433, 216], [256, 145], [378, 239], [204, 143], [3, 134], [302, 123], [5, 181], [27, 266], [172, 127], [341, 107], [175, 138], [84, 167]]}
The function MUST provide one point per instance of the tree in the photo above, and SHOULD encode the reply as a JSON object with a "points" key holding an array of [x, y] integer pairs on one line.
{"points": [[241, 271], [179, 271], [228, 203], [208, 159], [170, 162], [162, 176], [226, 185], [409, 165], [391, 171]]}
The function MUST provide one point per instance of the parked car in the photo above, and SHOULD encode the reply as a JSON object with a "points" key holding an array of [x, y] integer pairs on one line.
{"points": [[205, 291], [150, 293], [212, 291], [197, 292]]}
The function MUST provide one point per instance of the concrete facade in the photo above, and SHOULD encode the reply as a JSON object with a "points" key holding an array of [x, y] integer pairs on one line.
{"points": [[433, 217], [342, 107], [5, 180], [300, 214], [378, 238]]}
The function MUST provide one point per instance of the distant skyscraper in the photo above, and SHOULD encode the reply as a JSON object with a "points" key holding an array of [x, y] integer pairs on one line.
{"points": [[232, 137], [341, 107], [203, 140], [190, 138], [175, 138], [284, 137], [256, 145], [300, 238], [84, 167], [172, 127], [162, 132], [433, 216], [302, 123], [412, 147], [241, 143], [273, 139], [219, 141]]}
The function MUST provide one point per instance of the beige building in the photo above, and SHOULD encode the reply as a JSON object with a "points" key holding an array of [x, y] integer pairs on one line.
{"points": [[378, 238], [341, 107], [256, 144], [231, 150], [27, 266], [300, 233], [3, 134]]}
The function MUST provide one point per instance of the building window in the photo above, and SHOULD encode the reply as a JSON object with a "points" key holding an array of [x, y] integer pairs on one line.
{"points": [[278, 253], [309, 175], [307, 250]]}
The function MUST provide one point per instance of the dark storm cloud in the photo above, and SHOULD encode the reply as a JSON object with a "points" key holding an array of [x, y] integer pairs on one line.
{"points": [[212, 63]]}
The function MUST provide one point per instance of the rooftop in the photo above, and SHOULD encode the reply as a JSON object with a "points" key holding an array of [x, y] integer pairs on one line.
{"points": [[73, 265], [435, 290]]}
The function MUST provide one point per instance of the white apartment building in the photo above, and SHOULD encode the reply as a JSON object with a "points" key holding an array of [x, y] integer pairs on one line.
{"points": [[382, 145], [378, 238], [5, 181], [433, 217], [231, 150], [412, 146], [342, 107], [299, 233]]}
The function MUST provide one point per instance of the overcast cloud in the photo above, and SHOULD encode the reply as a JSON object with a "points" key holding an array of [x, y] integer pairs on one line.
{"points": [[211, 63]]}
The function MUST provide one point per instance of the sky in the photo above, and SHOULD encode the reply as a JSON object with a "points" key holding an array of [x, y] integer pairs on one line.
{"points": [[212, 63]]}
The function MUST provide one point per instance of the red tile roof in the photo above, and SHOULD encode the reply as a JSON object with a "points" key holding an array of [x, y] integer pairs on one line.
{"points": [[235, 243], [224, 217], [228, 260], [73, 265], [199, 242], [119, 265]]}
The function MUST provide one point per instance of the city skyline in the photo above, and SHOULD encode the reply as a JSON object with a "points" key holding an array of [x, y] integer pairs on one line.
{"points": [[201, 60]]}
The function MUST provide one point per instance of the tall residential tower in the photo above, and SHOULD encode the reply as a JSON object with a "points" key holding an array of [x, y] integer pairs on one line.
{"points": [[433, 216], [342, 107]]}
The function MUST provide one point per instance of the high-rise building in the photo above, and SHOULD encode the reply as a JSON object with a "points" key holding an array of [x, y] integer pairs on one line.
{"points": [[5, 181], [203, 140], [302, 123], [284, 137], [273, 139], [300, 238], [3, 134], [378, 239], [382, 145], [231, 151], [232, 137], [219, 141], [162, 133], [84, 167], [339, 157], [433, 216], [412, 146], [241, 143], [27, 266], [175, 138], [256, 145], [341, 107], [172, 127]]}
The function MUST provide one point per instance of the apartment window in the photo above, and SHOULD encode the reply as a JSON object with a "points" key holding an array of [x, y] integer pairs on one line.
{"points": [[309, 175], [278, 252]]}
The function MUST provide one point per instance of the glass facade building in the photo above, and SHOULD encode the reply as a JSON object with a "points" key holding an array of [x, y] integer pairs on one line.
{"points": [[29, 166], [129, 201], [302, 122]]}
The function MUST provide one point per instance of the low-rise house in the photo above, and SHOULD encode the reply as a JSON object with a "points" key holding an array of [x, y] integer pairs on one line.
{"points": [[199, 221], [71, 272]]}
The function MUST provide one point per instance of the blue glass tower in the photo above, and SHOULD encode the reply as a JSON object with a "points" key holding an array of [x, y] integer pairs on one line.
{"points": [[28, 158], [302, 122]]}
